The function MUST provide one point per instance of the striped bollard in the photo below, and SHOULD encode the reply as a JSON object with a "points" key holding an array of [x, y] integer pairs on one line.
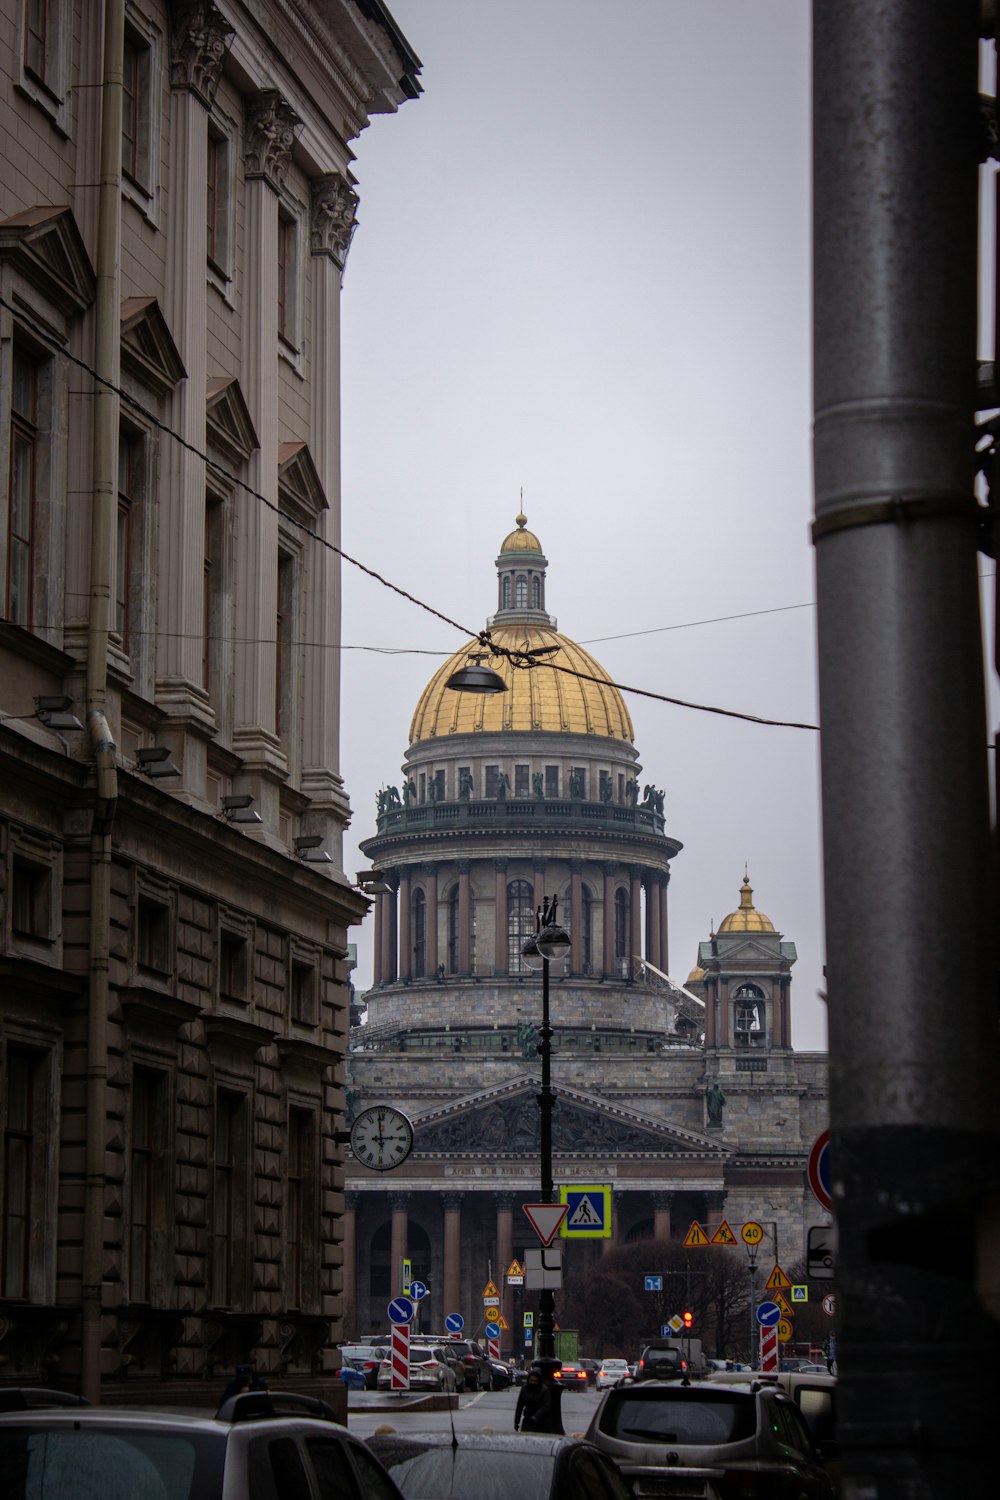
{"points": [[769, 1350], [400, 1356], [493, 1348]]}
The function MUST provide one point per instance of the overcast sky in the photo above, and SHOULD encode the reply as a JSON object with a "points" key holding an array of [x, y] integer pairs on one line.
{"points": [[582, 267]]}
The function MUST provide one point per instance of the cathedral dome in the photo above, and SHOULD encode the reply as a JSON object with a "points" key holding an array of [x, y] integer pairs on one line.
{"points": [[521, 540], [538, 699], [746, 918]]}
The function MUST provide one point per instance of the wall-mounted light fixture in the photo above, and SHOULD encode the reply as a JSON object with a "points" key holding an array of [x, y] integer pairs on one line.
{"points": [[155, 761], [53, 711], [239, 809], [307, 847], [373, 883]]}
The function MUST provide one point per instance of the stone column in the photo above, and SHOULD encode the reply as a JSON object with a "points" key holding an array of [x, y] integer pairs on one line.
{"points": [[609, 921], [399, 1204], [452, 1206], [501, 958], [724, 1017], [715, 1211], [653, 921], [506, 1204], [576, 917], [269, 132], [464, 918], [664, 924], [431, 893], [331, 225], [350, 1265], [405, 930], [377, 971], [662, 1205], [635, 916], [393, 926], [711, 1003]]}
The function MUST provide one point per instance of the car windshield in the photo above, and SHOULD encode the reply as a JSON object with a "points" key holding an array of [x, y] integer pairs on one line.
{"points": [[75, 1464], [472, 1474], [682, 1416]]}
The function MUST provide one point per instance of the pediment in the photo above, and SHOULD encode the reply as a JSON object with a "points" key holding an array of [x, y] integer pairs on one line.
{"points": [[752, 952], [228, 423], [46, 247], [148, 350], [300, 490], [503, 1123]]}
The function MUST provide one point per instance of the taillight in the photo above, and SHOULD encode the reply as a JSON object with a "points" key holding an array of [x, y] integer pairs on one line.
{"points": [[642, 1365]]}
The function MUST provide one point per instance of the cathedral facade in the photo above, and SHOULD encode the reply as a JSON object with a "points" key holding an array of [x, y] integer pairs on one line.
{"points": [[685, 1100]]}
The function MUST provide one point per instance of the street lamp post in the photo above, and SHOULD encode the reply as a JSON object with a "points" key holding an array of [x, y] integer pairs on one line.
{"points": [[550, 943]]}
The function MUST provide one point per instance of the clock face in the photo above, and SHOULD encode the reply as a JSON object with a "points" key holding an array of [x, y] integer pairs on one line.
{"points": [[381, 1137]]}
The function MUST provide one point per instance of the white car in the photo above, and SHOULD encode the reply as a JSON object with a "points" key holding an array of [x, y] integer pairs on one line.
{"points": [[611, 1372]]}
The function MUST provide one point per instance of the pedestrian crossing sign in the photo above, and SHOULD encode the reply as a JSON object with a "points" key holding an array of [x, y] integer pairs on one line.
{"points": [[588, 1212]]}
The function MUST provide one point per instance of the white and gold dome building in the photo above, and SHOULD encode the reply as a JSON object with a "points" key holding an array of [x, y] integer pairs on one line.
{"points": [[505, 800]]}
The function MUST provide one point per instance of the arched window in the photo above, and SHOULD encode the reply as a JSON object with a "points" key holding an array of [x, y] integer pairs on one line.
{"points": [[749, 1016], [622, 931], [521, 592], [536, 593], [418, 912], [520, 922], [505, 594], [588, 931]]}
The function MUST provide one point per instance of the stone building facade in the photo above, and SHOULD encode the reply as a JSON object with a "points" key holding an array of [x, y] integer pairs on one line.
{"points": [[176, 208], [507, 800]]}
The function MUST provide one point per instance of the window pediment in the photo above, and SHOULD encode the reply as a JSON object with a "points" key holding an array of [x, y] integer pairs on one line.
{"points": [[300, 491], [227, 419], [148, 350], [46, 247]]}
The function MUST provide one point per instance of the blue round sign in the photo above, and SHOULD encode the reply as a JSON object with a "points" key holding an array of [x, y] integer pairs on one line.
{"points": [[768, 1314], [454, 1323], [418, 1290], [493, 1330], [400, 1310]]}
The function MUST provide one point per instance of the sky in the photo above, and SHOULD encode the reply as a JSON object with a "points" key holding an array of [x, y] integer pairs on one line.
{"points": [[582, 272]]}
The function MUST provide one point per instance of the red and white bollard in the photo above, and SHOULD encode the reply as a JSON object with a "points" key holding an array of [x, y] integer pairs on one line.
{"points": [[400, 1356], [769, 1350]]}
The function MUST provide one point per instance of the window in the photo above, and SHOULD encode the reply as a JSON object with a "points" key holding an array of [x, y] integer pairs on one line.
{"points": [[232, 966], [22, 1170], [131, 457], [419, 918], [21, 510], [285, 687], [30, 899], [492, 781], [229, 1195], [288, 277], [551, 781], [522, 780], [303, 992], [146, 1182], [36, 38], [216, 649], [536, 593], [219, 201], [520, 923], [300, 1226], [505, 594], [521, 592], [748, 1015], [152, 935], [137, 113], [44, 76]]}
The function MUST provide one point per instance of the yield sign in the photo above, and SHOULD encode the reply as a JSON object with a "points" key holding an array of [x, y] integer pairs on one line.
{"points": [[545, 1219]]}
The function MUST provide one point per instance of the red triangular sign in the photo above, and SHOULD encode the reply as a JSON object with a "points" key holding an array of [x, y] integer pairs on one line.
{"points": [[545, 1219]]}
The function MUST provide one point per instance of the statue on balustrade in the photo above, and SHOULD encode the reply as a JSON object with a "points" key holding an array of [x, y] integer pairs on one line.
{"points": [[464, 783], [576, 785], [503, 786], [538, 784]]}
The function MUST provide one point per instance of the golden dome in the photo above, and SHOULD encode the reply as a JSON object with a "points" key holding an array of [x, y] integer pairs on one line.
{"points": [[747, 919], [537, 698], [696, 975], [521, 540]]}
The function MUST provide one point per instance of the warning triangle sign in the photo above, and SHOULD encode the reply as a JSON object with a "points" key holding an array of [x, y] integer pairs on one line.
{"points": [[502, 1323], [777, 1281], [545, 1219], [723, 1235], [489, 1290], [695, 1236], [783, 1302], [515, 1268]]}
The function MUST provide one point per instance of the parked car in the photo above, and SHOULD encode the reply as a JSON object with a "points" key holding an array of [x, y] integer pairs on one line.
{"points": [[259, 1443], [429, 1370], [724, 1440], [471, 1466], [475, 1362], [571, 1374], [451, 1353], [502, 1375], [612, 1372], [591, 1366], [365, 1357]]}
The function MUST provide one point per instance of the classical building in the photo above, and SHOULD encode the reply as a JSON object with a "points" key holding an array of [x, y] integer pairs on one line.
{"points": [[176, 208], [686, 1099]]}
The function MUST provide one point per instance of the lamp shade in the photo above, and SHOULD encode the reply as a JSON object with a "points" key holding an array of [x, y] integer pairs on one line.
{"points": [[531, 954], [553, 942], [475, 678]]}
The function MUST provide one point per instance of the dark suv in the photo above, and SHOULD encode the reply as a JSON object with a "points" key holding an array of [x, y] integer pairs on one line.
{"points": [[725, 1441], [661, 1362], [475, 1362]]}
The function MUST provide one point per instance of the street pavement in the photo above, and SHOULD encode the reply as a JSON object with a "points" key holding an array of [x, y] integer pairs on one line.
{"points": [[486, 1410]]}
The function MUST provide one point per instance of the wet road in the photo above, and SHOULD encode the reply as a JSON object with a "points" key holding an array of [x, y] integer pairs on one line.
{"points": [[492, 1410]]}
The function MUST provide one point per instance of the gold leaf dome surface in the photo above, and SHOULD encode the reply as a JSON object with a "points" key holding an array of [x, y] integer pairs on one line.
{"points": [[747, 918], [521, 540], [537, 699]]}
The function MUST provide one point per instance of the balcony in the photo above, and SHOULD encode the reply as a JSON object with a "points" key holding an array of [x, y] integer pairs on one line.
{"points": [[520, 813]]}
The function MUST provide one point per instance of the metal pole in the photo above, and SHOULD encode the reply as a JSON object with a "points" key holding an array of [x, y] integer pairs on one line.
{"points": [[547, 1298], [905, 808]]}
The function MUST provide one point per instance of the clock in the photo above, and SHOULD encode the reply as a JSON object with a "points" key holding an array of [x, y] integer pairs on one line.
{"points": [[381, 1137]]}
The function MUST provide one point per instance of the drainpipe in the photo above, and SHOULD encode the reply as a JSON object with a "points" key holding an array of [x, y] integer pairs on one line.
{"points": [[103, 538], [906, 821]]}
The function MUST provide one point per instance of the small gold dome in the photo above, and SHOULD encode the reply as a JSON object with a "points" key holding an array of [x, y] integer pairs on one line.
{"points": [[747, 919], [537, 698], [521, 540], [696, 975]]}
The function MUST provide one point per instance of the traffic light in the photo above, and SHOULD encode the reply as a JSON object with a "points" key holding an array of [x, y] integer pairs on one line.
{"points": [[688, 1319]]}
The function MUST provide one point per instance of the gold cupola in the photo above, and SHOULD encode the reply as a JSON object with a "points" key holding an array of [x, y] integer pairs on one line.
{"points": [[747, 918]]}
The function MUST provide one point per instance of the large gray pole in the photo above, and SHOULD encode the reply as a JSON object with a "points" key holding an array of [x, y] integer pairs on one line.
{"points": [[912, 1011]]}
